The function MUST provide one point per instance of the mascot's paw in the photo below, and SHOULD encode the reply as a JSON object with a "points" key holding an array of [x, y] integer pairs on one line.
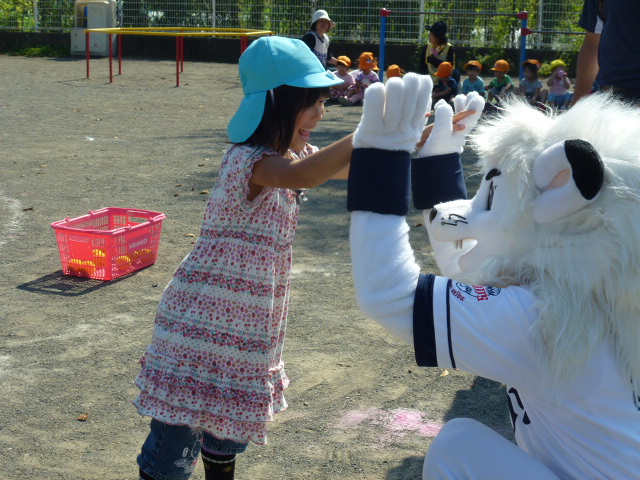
{"points": [[443, 139], [394, 114]]}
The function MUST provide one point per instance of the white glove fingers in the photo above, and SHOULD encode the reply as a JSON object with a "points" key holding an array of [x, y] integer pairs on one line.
{"points": [[422, 101], [474, 102], [395, 104], [443, 123], [460, 103], [412, 83], [373, 109]]}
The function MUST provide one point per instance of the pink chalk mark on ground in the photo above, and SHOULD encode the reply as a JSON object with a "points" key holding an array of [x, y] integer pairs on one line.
{"points": [[394, 423], [413, 421]]}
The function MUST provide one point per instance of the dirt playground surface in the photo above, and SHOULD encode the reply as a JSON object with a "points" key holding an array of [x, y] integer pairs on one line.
{"points": [[359, 408]]}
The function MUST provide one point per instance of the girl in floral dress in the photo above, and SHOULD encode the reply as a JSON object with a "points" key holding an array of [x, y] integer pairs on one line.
{"points": [[213, 375]]}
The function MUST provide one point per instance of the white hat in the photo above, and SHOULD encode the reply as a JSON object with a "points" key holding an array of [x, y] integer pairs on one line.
{"points": [[320, 14]]}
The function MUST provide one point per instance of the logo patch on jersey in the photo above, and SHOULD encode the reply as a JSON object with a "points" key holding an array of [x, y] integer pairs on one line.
{"points": [[480, 293]]}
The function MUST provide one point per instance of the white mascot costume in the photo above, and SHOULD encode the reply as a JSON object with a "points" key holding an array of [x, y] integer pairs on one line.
{"points": [[540, 285]]}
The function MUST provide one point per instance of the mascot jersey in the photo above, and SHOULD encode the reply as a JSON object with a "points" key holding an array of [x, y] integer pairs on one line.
{"points": [[587, 428], [484, 331]]}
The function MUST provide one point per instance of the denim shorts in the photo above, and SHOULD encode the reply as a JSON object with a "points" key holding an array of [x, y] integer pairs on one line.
{"points": [[171, 451]]}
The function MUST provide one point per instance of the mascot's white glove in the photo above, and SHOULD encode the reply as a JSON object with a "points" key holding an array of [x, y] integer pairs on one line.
{"points": [[443, 139], [394, 114]]}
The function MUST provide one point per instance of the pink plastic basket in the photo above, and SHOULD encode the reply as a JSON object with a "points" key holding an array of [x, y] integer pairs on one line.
{"points": [[108, 243]]}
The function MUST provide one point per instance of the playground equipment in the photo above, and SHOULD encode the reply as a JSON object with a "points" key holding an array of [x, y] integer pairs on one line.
{"points": [[178, 33], [385, 14], [92, 14]]}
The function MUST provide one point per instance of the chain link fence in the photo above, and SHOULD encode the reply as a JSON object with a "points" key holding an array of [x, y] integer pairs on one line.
{"points": [[475, 23]]}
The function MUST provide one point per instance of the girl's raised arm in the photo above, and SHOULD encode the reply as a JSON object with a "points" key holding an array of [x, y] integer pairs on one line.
{"points": [[325, 164]]}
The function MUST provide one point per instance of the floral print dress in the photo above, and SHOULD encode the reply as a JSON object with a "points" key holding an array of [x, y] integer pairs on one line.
{"points": [[215, 360]]}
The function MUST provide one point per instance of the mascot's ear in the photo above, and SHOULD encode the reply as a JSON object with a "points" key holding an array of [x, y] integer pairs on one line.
{"points": [[570, 175]]}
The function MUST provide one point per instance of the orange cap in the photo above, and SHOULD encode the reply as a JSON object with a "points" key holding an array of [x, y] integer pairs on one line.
{"points": [[532, 61], [473, 63], [343, 59], [445, 69], [394, 71], [366, 61], [501, 66]]}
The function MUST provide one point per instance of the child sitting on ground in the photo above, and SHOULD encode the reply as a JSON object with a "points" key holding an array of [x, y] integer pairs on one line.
{"points": [[473, 82], [447, 87], [364, 77], [501, 85], [531, 85], [342, 64], [559, 85]]}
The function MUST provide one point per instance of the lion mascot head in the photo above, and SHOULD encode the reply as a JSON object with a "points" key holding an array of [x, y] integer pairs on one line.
{"points": [[557, 210]]}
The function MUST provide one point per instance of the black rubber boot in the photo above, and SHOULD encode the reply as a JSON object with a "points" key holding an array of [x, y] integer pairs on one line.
{"points": [[218, 467]]}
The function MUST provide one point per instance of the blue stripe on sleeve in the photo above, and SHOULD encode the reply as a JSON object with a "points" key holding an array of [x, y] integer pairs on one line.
{"points": [[424, 340], [453, 360]]}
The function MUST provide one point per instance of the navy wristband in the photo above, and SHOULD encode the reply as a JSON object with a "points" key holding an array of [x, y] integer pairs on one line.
{"points": [[436, 180], [379, 181]]}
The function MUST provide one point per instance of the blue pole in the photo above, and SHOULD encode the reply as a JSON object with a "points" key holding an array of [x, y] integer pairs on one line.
{"points": [[383, 36]]}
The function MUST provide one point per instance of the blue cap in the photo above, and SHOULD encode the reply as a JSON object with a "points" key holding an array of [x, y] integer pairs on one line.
{"points": [[268, 63]]}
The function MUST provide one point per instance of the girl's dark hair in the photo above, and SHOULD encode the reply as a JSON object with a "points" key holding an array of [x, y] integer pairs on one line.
{"points": [[280, 113]]}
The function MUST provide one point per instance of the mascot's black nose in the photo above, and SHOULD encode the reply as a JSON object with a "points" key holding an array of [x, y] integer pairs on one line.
{"points": [[432, 214]]}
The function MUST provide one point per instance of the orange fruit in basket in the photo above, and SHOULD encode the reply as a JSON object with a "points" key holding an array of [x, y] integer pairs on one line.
{"points": [[123, 262], [99, 257], [133, 256], [145, 256], [88, 268], [74, 266], [81, 268]]}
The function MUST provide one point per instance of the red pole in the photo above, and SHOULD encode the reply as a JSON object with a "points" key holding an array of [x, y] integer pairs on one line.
{"points": [[87, 49], [182, 54], [110, 58], [244, 43], [119, 54]]}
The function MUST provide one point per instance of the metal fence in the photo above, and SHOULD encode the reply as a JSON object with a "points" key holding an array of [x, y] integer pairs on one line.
{"points": [[476, 23]]}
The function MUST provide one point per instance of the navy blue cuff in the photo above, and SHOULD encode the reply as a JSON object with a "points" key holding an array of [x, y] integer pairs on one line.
{"points": [[436, 180], [379, 181], [424, 338]]}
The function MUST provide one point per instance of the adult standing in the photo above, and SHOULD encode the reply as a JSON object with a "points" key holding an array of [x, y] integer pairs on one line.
{"points": [[610, 52], [318, 40], [438, 50]]}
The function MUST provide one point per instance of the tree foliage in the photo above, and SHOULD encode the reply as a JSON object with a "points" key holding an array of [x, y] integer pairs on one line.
{"points": [[17, 14]]}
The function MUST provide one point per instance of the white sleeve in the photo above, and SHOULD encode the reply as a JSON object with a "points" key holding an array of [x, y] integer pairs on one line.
{"points": [[384, 270], [478, 329]]}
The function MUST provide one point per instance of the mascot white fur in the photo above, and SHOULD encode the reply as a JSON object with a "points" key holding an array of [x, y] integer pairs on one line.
{"points": [[541, 273]]}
